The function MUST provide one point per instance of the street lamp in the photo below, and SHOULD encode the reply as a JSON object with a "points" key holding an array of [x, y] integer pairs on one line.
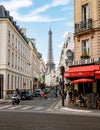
{"points": [[62, 73]]}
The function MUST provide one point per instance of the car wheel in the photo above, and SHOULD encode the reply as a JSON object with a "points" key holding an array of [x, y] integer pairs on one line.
{"points": [[13, 102], [31, 97]]}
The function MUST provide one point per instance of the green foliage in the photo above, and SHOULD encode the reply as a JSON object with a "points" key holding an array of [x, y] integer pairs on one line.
{"points": [[85, 56], [69, 86]]}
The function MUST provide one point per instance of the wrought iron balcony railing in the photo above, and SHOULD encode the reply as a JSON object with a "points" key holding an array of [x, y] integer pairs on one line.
{"points": [[83, 25]]}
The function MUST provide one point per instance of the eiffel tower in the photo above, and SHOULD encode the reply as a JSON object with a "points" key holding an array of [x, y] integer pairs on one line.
{"points": [[50, 62]]}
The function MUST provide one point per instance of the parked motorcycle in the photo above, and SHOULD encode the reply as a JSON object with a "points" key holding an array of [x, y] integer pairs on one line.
{"points": [[15, 100]]}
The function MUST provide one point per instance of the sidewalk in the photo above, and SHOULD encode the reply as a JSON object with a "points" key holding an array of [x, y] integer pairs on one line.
{"points": [[3, 101], [73, 108]]}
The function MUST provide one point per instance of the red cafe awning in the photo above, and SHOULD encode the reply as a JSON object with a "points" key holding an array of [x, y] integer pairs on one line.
{"points": [[97, 74], [81, 71], [82, 80]]}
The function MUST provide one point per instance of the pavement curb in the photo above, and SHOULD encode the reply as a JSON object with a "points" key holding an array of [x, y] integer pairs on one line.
{"points": [[3, 101], [72, 109]]}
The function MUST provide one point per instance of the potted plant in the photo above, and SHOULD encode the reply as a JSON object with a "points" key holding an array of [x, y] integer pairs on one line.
{"points": [[85, 56]]}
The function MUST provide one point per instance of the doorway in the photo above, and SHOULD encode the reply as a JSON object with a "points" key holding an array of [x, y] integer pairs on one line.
{"points": [[98, 86], [1, 86]]}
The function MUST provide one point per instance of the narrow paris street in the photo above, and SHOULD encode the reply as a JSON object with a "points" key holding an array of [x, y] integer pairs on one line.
{"points": [[42, 114], [38, 104]]}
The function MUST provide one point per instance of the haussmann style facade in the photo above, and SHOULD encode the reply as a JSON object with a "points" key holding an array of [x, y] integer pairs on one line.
{"points": [[86, 62], [19, 59]]}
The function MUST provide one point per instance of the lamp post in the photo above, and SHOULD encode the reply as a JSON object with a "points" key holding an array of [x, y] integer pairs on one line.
{"points": [[62, 73]]}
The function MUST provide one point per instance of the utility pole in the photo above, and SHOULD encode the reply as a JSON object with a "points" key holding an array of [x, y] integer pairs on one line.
{"points": [[62, 73]]}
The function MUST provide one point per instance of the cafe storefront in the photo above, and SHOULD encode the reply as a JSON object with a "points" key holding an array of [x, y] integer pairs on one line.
{"points": [[87, 71], [87, 81]]}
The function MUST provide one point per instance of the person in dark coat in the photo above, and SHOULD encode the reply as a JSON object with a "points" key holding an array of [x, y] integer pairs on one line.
{"points": [[70, 94]]}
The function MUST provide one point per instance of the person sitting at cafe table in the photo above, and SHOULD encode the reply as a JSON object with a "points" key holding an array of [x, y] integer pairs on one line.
{"points": [[81, 100], [70, 94]]}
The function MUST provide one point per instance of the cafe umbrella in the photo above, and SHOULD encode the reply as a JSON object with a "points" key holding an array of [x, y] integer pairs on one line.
{"points": [[83, 80]]}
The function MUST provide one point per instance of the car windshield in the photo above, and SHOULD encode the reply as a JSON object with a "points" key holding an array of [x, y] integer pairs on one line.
{"points": [[23, 92]]}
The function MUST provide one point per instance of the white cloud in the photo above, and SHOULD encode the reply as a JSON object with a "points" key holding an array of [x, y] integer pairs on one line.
{"points": [[15, 5], [35, 15], [35, 18], [59, 2], [66, 9], [41, 9], [71, 24]]}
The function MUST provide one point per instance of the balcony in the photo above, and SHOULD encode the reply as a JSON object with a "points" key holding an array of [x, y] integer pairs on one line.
{"points": [[83, 26], [84, 56]]}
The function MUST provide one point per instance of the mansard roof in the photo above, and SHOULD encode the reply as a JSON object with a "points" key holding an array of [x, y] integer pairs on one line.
{"points": [[5, 14]]}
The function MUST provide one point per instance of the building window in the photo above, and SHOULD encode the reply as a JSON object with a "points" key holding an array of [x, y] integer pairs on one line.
{"points": [[16, 61], [9, 57], [8, 82], [21, 64], [85, 12], [16, 44], [85, 47], [21, 48], [15, 81], [12, 82], [18, 82], [12, 59], [8, 36], [13, 40]]}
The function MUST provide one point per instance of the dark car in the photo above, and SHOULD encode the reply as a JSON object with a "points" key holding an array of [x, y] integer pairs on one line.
{"points": [[26, 95], [37, 93]]}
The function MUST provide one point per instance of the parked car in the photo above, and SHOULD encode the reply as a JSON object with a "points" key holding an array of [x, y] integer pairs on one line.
{"points": [[26, 95], [38, 93]]}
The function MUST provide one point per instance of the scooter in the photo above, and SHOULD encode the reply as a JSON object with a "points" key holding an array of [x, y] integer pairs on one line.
{"points": [[15, 100]]}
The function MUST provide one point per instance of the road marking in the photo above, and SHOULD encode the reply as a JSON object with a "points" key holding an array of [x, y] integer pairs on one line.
{"points": [[15, 107], [38, 108], [26, 107], [4, 107], [49, 109]]}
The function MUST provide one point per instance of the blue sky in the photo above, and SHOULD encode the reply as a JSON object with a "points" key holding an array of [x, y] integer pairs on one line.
{"points": [[38, 16]]}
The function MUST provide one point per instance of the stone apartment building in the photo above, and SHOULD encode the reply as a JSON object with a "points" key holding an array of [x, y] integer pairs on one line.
{"points": [[35, 63], [67, 50], [19, 60], [86, 62], [67, 54], [87, 28]]}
